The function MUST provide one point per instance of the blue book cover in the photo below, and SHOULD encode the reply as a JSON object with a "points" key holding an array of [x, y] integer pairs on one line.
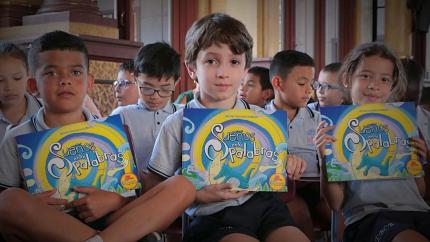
{"points": [[372, 142], [245, 148], [87, 154]]}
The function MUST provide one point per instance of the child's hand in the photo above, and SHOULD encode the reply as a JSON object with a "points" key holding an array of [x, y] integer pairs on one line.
{"points": [[96, 203], [420, 145], [218, 193], [322, 138], [295, 167], [46, 198]]}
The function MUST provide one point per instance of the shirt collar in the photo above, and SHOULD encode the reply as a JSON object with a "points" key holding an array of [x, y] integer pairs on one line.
{"points": [[167, 109], [40, 124], [195, 103]]}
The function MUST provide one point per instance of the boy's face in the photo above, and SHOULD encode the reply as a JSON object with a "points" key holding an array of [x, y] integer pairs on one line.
{"points": [[62, 79], [372, 81], [218, 72], [155, 92], [13, 80], [329, 93], [251, 91], [125, 88], [296, 90]]}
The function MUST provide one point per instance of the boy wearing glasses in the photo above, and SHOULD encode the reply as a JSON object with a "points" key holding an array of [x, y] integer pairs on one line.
{"points": [[156, 71], [125, 87], [329, 91]]}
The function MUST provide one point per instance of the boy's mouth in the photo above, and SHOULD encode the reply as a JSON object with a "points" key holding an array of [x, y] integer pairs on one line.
{"points": [[66, 94]]}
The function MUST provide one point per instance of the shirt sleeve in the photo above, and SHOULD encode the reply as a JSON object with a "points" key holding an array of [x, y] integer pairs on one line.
{"points": [[166, 155], [10, 175]]}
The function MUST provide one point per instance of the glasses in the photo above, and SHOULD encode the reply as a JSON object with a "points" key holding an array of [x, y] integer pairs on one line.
{"points": [[324, 86], [149, 91], [123, 83]]}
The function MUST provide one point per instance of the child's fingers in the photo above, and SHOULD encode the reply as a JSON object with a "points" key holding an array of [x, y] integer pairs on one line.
{"points": [[86, 190], [45, 194], [291, 165]]}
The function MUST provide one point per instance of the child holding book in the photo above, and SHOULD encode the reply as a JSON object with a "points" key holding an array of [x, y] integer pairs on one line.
{"points": [[59, 62], [376, 210], [292, 75], [156, 73], [16, 105], [218, 52]]}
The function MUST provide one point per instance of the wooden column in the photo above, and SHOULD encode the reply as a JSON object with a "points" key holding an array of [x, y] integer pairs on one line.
{"points": [[290, 24], [11, 12], [347, 27], [184, 13], [319, 55]]}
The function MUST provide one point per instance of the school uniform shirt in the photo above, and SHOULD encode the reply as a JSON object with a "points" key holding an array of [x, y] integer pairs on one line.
{"points": [[144, 126], [423, 119], [33, 105], [167, 153], [301, 132], [10, 173]]}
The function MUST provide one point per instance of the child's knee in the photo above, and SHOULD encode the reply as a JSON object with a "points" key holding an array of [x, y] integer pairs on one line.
{"points": [[12, 199], [183, 187]]}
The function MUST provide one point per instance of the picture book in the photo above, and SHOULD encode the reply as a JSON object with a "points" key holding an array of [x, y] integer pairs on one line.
{"points": [[245, 148], [372, 142], [87, 154]]}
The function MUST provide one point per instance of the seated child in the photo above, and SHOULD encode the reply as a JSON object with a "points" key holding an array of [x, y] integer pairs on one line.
{"points": [[218, 52], [376, 210], [16, 105], [256, 87], [59, 62], [125, 86], [156, 73], [329, 92]]}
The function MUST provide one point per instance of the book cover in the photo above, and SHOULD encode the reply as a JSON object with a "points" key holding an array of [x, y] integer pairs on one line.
{"points": [[87, 154], [245, 148], [372, 142]]}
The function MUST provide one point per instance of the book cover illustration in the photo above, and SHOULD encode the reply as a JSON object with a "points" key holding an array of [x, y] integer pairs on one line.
{"points": [[87, 154], [245, 148], [372, 142]]}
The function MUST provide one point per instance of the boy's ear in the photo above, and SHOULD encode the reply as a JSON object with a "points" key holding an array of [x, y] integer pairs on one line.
{"points": [[31, 85], [191, 69], [276, 82], [90, 79]]}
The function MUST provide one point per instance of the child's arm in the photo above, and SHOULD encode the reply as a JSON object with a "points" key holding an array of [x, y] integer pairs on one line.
{"points": [[421, 148], [96, 203], [217, 193], [333, 192]]}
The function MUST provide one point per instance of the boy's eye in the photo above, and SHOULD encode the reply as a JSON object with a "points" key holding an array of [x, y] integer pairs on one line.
{"points": [[211, 61], [235, 62], [365, 76], [76, 73], [49, 74], [17, 78]]}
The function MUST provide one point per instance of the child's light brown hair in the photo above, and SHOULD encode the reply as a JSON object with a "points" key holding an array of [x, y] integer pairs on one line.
{"points": [[218, 28]]}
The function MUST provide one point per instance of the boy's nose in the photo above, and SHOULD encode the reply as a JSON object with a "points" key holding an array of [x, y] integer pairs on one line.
{"points": [[65, 81], [222, 71]]}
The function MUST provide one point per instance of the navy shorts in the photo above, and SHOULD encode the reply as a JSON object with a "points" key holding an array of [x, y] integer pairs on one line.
{"points": [[384, 226], [258, 217], [99, 225]]}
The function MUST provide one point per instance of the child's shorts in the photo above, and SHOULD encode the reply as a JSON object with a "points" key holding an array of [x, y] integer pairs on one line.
{"points": [[384, 226], [261, 214]]}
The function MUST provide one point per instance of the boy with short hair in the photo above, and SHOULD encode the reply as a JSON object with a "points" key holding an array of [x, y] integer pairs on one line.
{"points": [[292, 75], [156, 72], [328, 89], [59, 62], [218, 52], [256, 88], [125, 86]]}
